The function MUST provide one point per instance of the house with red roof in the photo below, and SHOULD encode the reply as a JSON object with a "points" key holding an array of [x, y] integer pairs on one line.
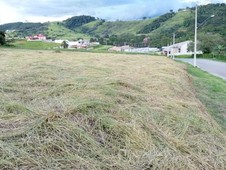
{"points": [[38, 37]]}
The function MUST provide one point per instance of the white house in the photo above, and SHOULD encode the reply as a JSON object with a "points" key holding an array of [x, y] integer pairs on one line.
{"points": [[142, 50], [119, 49], [177, 49], [58, 41], [75, 44], [78, 44]]}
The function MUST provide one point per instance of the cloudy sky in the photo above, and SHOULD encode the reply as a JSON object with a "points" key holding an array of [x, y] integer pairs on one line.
{"points": [[57, 10]]}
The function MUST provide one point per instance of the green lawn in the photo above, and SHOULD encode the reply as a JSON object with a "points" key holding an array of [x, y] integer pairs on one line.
{"points": [[211, 91], [101, 48], [38, 45]]}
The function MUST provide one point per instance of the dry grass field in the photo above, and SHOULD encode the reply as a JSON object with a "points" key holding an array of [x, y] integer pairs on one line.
{"points": [[71, 110]]}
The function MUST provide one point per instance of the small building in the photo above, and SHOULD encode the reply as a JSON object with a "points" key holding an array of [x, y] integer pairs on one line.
{"points": [[58, 41], [38, 37], [119, 49], [75, 44], [177, 49], [94, 43], [142, 50]]}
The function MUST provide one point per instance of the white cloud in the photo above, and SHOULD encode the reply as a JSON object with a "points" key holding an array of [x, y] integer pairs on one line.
{"points": [[204, 2], [8, 13], [200, 2], [49, 10]]}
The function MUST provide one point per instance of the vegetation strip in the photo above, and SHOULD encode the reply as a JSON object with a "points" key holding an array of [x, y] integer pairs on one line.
{"points": [[211, 91]]}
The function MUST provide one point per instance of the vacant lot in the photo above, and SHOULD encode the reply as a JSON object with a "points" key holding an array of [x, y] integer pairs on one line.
{"points": [[67, 110]]}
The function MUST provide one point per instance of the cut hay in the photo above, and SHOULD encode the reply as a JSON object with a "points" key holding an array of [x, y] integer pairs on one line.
{"points": [[102, 111]]}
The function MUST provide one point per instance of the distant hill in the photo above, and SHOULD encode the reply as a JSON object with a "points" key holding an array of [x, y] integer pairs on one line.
{"points": [[159, 30], [77, 21], [25, 29], [57, 30]]}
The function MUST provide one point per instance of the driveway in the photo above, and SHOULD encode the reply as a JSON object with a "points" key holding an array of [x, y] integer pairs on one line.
{"points": [[213, 67]]}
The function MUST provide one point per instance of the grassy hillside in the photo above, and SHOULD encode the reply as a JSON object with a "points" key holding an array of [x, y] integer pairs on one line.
{"points": [[56, 30], [102, 111], [133, 27], [24, 29], [175, 22], [113, 28]]}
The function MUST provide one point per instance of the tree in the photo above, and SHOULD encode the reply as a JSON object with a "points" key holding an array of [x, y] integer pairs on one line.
{"points": [[219, 50], [191, 46], [91, 40], [2, 38], [64, 44], [209, 42]]}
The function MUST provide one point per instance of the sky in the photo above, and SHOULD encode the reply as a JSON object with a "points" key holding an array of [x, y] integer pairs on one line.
{"points": [[58, 10]]}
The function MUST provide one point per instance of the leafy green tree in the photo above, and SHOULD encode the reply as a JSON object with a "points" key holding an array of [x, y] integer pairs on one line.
{"points": [[209, 42], [2, 38], [191, 46], [219, 50], [101, 40], [64, 44], [92, 40]]}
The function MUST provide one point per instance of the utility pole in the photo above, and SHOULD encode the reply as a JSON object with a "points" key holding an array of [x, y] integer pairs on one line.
{"points": [[196, 26], [168, 50], [173, 46]]}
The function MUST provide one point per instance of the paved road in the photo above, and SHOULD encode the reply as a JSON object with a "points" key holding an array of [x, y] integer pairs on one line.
{"points": [[213, 67]]}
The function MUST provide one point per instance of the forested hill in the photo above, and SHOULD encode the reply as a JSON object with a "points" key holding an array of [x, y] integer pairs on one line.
{"points": [[158, 30], [77, 21]]}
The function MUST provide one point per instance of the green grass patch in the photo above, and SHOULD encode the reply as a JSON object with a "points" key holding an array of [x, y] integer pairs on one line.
{"points": [[36, 45], [101, 48], [184, 56], [211, 91]]}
